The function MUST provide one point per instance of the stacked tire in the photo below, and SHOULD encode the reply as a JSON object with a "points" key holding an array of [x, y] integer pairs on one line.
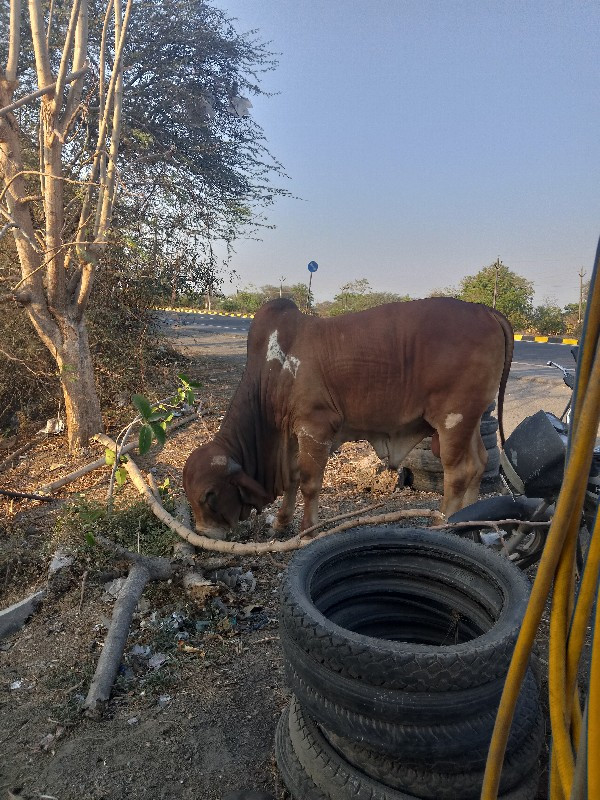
{"points": [[423, 470], [396, 645]]}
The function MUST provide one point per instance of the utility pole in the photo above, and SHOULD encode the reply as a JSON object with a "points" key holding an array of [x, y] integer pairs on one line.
{"points": [[581, 274], [281, 280], [498, 264]]}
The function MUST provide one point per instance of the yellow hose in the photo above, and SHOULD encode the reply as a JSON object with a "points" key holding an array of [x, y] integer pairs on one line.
{"points": [[559, 549], [560, 711], [593, 719], [581, 616]]}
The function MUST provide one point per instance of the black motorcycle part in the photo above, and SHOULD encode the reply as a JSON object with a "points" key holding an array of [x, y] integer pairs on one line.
{"points": [[536, 452]]}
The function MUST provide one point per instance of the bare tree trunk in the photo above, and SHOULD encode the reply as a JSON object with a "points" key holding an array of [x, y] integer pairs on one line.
{"points": [[82, 406]]}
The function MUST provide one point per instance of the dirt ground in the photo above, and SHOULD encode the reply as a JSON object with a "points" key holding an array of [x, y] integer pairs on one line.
{"points": [[202, 722]]}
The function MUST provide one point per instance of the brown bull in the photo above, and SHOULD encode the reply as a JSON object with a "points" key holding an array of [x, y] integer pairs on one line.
{"points": [[391, 375]]}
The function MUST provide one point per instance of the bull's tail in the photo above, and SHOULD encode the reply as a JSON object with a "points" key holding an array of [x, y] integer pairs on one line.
{"points": [[509, 346]]}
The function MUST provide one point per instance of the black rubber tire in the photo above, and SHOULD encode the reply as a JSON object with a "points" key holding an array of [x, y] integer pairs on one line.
{"points": [[423, 481], [408, 555], [388, 705], [424, 461], [493, 462], [490, 440], [338, 779], [297, 781], [442, 780], [488, 425], [465, 739]]}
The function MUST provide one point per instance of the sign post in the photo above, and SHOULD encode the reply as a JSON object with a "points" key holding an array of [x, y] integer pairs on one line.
{"points": [[312, 267]]}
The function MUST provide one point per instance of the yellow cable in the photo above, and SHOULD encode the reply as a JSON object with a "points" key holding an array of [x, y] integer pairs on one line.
{"points": [[593, 719], [560, 616], [556, 791], [579, 464], [581, 616]]}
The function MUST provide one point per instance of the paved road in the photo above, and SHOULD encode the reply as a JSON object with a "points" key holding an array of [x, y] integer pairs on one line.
{"points": [[530, 359]]}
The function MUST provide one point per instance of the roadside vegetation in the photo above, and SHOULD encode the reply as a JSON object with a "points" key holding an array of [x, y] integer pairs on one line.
{"points": [[514, 298]]}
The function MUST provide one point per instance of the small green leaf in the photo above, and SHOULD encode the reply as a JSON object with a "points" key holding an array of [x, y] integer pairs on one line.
{"points": [[109, 456], [121, 476], [156, 416], [145, 440], [159, 432], [143, 406], [189, 397], [89, 539], [165, 484], [187, 382]]}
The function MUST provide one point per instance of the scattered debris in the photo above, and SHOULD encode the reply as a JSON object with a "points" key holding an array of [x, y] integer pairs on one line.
{"points": [[199, 588], [235, 579], [55, 425], [14, 617], [112, 590], [60, 560], [157, 660]]}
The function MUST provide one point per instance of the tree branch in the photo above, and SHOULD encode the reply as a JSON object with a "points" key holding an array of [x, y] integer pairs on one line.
{"points": [[14, 41], [71, 77], [64, 60], [144, 569], [42, 58]]}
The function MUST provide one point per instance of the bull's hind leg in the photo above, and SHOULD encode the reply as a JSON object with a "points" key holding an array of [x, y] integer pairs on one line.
{"points": [[464, 459]]}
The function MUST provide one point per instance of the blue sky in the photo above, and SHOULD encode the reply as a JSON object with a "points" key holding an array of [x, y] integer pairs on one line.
{"points": [[425, 139]]}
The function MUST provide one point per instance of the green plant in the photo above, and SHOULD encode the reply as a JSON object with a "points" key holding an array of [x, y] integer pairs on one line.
{"points": [[134, 527], [155, 419]]}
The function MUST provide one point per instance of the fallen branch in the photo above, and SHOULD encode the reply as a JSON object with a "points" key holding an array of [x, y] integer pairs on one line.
{"points": [[385, 519], [9, 461], [143, 570], [248, 548], [26, 495], [339, 517], [101, 462]]}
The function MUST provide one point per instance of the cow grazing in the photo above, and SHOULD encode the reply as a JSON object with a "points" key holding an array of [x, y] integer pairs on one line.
{"points": [[391, 375]]}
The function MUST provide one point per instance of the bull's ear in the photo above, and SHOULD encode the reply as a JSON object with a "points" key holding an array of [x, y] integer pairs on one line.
{"points": [[210, 498], [251, 492]]}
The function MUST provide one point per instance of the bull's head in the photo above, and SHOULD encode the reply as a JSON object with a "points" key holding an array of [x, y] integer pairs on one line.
{"points": [[219, 491]]}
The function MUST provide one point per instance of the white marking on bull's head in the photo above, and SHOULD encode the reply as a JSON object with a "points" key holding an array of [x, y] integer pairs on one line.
{"points": [[218, 461], [275, 353], [452, 420]]}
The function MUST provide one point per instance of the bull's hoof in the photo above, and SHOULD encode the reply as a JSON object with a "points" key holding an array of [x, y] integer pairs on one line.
{"points": [[281, 527], [221, 536]]}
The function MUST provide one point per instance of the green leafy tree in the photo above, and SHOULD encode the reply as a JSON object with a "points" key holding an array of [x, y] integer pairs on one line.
{"points": [[548, 319], [514, 294], [358, 295]]}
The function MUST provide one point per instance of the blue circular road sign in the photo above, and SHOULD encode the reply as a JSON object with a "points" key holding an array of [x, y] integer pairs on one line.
{"points": [[313, 266]]}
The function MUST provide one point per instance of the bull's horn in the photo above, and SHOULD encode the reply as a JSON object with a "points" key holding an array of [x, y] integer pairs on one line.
{"points": [[232, 467]]}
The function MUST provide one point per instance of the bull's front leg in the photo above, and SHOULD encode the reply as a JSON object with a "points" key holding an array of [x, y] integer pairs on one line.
{"points": [[285, 515], [314, 449]]}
